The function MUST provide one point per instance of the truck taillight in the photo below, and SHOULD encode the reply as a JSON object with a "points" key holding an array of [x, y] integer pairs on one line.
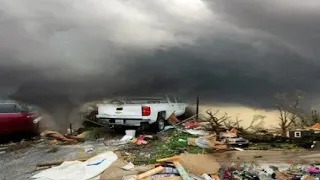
{"points": [[146, 111]]}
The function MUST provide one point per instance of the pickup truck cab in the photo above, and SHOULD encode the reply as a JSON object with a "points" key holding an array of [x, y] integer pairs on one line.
{"points": [[138, 111]]}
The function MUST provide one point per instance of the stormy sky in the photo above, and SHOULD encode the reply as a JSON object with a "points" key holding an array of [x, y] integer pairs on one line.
{"points": [[57, 54]]}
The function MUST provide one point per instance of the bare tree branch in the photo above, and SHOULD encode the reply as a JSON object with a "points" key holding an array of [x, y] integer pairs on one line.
{"points": [[289, 110], [217, 122], [256, 122]]}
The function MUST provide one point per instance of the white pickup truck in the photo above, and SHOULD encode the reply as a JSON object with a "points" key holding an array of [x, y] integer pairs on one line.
{"points": [[139, 111]]}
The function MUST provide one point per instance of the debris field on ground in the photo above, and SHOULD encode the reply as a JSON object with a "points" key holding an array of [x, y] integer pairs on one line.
{"points": [[186, 150]]}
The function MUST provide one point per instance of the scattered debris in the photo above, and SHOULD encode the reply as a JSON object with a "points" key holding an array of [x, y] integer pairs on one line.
{"points": [[148, 173], [313, 170], [206, 177], [264, 171], [88, 150], [237, 141], [141, 139], [207, 142], [190, 138], [125, 139], [191, 124], [86, 135], [89, 169], [115, 171], [177, 125], [57, 163], [53, 135], [168, 127], [128, 166], [230, 134], [173, 120], [238, 149], [197, 132], [194, 164]]}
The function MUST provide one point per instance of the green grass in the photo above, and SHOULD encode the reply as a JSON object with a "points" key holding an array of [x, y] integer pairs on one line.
{"points": [[171, 147]]}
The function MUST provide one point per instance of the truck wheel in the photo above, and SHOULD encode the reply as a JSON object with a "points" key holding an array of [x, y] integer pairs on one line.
{"points": [[159, 124]]}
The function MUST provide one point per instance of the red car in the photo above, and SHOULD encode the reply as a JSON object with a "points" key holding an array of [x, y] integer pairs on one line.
{"points": [[17, 118]]}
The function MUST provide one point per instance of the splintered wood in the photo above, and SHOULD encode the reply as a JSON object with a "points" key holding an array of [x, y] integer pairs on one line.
{"points": [[173, 120]]}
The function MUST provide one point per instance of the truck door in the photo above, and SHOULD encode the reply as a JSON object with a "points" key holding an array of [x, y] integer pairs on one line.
{"points": [[181, 107], [173, 105]]}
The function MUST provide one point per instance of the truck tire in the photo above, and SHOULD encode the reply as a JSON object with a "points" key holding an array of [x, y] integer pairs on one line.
{"points": [[160, 123]]}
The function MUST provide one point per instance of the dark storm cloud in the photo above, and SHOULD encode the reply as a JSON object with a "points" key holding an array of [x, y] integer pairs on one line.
{"points": [[233, 78], [59, 54]]}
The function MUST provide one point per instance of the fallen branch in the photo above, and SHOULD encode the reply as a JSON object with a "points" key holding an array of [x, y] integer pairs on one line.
{"points": [[181, 122]]}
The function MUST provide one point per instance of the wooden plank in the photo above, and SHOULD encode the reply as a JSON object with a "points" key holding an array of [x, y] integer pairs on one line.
{"points": [[183, 173]]}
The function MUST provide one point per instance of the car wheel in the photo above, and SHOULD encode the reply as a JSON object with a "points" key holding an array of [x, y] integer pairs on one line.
{"points": [[159, 124]]}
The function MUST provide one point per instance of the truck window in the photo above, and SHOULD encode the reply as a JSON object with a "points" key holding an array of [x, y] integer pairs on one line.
{"points": [[7, 108], [178, 100], [172, 99], [117, 100], [142, 100]]}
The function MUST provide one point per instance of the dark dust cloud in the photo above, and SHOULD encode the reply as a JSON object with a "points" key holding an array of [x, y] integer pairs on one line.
{"points": [[58, 54]]}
